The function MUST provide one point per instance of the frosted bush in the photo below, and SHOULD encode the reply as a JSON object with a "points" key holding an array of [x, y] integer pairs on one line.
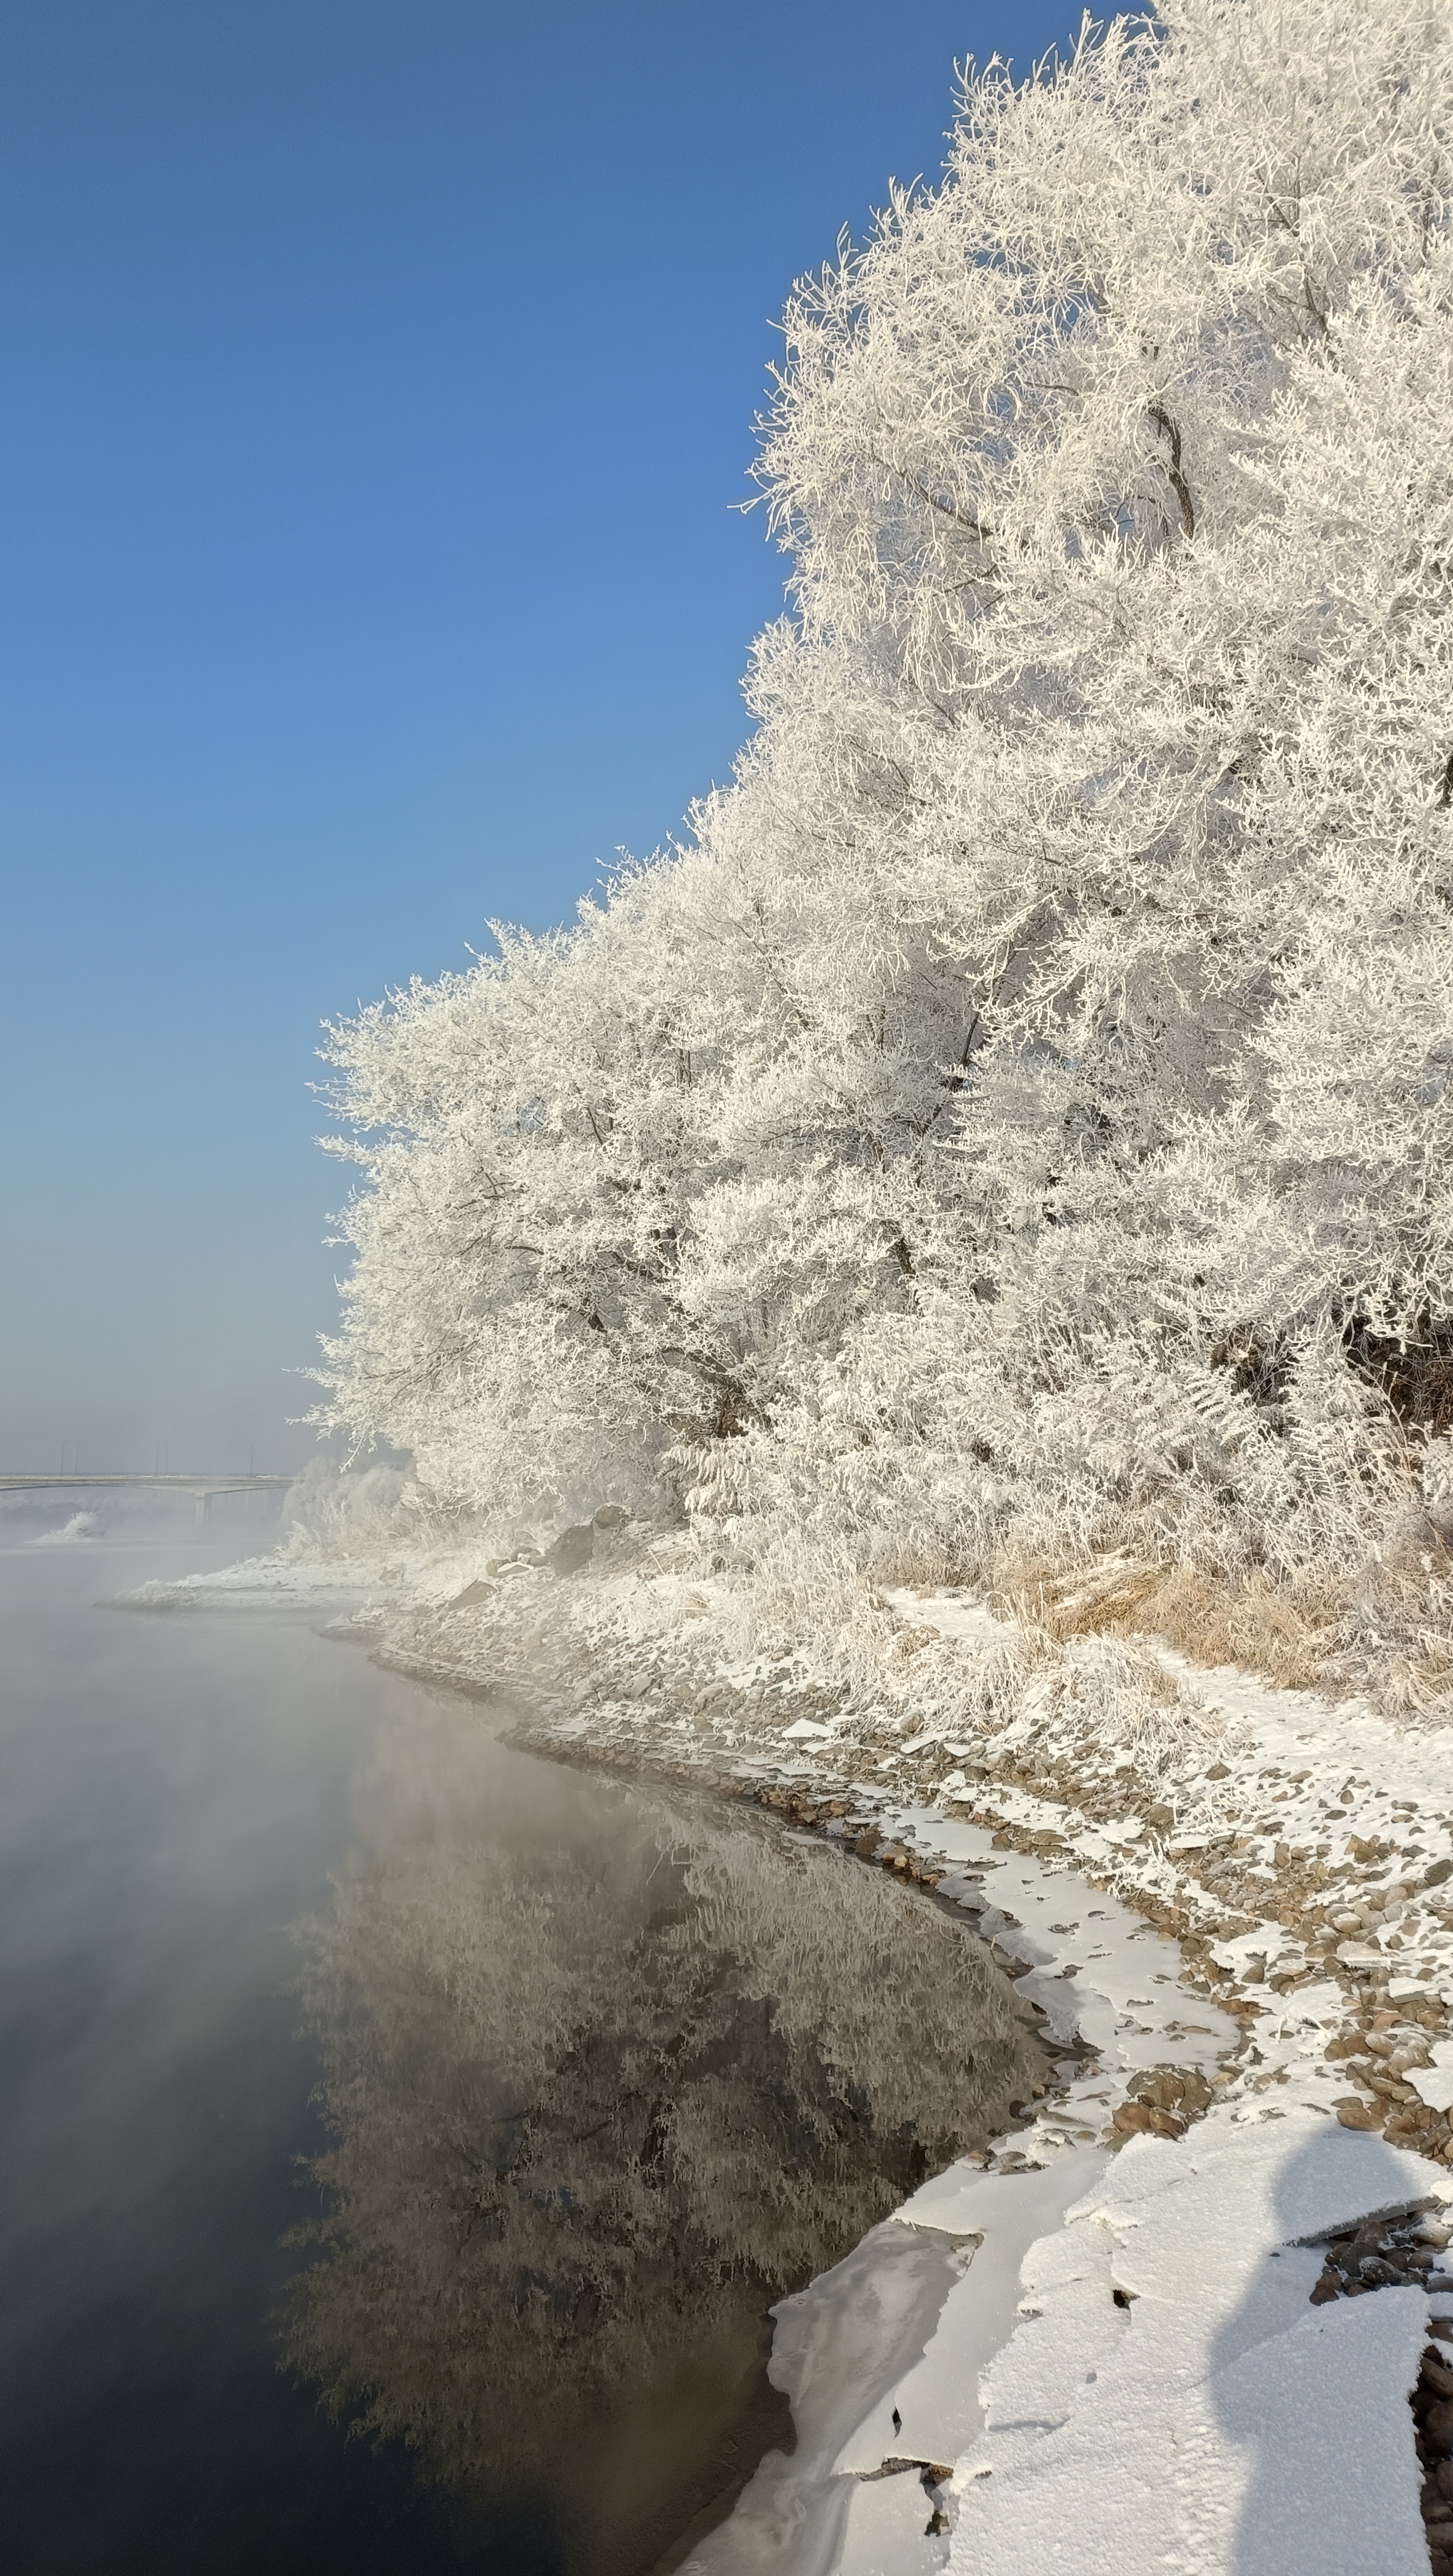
{"points": [[1438, 1483], [331, 1507]]}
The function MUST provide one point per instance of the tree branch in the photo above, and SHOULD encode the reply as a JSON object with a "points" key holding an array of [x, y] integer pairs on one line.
{"points": [[1174, 476]]}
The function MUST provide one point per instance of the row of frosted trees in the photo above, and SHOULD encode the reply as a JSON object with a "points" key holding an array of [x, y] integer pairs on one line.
{"points": [[1015, 1122]]}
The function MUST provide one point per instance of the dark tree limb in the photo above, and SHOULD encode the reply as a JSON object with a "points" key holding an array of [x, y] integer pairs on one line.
{"points": [[1174, 476]]}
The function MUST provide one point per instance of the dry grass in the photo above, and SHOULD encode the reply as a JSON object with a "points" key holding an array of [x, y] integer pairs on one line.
{"points": [[1289, 1639], [1386, 1634]]}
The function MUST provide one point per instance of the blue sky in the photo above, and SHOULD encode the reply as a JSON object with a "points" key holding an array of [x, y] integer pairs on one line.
{"points": [[378, 378]]}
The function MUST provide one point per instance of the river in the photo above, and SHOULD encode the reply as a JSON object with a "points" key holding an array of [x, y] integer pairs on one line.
{"points": [[403, 2140]]}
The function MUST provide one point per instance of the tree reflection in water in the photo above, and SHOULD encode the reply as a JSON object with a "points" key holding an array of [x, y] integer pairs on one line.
{"points": [[604, 2082]]}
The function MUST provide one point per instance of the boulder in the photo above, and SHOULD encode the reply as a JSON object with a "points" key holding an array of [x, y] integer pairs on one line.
{"points": [[572, 1549]]}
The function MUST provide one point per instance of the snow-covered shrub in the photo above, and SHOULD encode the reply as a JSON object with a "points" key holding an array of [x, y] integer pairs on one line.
{"points": [[332, 1509], [1002, 1130]]}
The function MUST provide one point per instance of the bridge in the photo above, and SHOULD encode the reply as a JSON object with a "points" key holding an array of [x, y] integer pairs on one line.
{"points": [[204, 1489]]}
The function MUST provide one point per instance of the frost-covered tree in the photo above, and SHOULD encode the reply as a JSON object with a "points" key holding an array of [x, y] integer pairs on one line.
{"points": [[1016, 1122]]}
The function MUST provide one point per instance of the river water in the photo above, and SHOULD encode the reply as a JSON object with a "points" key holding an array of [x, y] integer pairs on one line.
{"points": [[403, 2140]]}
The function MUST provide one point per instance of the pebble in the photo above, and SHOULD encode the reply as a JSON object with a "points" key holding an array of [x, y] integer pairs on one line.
{"points": [[1132, 2118], [1438, 2424], [1385, 2254], [1354, 2113]]}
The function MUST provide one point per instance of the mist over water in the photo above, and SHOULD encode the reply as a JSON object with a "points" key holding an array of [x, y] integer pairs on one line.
{"points": [[587, 2077], [610, 2071], [175, 1793]]}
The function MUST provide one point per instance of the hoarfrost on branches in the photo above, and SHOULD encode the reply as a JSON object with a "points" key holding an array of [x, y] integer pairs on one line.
{"points": [[1015, 1123]]}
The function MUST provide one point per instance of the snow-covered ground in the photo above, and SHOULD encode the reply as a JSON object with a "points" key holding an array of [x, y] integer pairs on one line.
{"points": [[1096, 2346], [1108, 2364], [263, 1582]]}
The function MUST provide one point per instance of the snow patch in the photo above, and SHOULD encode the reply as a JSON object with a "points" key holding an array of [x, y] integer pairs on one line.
{"points": [[1107, 2365], [264, 1582], [1217, 2421], [75, 1532]]}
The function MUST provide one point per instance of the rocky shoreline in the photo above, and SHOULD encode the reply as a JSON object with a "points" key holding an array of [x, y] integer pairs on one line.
{"points": [[1298, 1853], [1160, 2098], [1265, 1907]]}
